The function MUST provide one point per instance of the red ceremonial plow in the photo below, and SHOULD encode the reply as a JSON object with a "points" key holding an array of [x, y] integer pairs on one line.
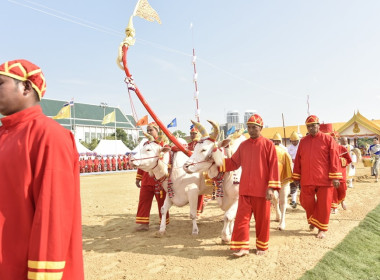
{"points": [[132, 86]]}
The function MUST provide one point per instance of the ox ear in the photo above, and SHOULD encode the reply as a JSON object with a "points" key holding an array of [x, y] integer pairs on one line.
{"points": [[166, 149], [218, 156], [224, 143]]}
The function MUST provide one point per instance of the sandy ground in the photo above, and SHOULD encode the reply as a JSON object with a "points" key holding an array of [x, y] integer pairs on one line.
{"points": [[112, 250]]}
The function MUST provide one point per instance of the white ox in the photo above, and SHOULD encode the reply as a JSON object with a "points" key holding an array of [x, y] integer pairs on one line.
{"points": [[154, 158], [202, 161], [280, 202]]}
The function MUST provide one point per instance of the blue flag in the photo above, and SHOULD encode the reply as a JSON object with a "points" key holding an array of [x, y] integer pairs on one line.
{"points": [[173, 123], [231, 130]]}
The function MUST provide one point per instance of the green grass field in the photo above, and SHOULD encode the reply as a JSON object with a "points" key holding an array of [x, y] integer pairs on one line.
{"points": [[356, 257]]}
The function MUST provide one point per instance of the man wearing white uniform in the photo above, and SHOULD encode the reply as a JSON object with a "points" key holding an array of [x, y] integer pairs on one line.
{"points": [[292, 150], [350, 167]]}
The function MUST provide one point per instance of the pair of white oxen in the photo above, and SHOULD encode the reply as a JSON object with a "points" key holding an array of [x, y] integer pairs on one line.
{"points": [[186, 176]]}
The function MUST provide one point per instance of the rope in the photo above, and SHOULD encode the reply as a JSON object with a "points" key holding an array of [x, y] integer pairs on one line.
{"points": [[194, 163], [144, 158], [218, 180]]}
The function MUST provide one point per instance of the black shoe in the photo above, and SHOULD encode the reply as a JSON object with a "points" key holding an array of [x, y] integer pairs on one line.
{"points": [[293, 204]]}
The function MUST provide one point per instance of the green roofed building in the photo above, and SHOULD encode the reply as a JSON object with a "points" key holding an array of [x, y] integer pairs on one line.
{"points": [[86, 120]]}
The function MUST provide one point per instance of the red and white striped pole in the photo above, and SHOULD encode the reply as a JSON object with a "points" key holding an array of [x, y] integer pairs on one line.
{"points": [[196, 94], [195, 78]]}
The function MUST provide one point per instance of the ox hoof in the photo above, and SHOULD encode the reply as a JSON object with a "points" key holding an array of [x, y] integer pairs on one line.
{"points": [[280, 228], [159, 234], [226, 242]]}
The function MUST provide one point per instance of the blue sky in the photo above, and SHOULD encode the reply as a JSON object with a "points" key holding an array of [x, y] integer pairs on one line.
{"points": [[261, 55]]}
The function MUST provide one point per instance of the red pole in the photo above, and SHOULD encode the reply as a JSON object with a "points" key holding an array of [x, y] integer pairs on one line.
{"points": [[150, 111]]}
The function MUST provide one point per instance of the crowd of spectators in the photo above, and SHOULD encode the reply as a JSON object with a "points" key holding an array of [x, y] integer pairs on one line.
{"points": [[108, 163]]}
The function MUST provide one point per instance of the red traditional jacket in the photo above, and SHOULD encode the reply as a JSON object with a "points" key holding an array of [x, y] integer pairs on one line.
{"points": [[191, 145], [345, 159], [146, 180], [317, 161], [40, 212], [258, 160], [125, 161]]}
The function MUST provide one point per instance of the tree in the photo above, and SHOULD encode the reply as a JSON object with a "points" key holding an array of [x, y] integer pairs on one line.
{"points": [[92, 145], [179, 134], [363, 142], [124, 137]]}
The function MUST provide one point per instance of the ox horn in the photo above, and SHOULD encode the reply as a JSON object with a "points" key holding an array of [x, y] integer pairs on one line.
{"points": [[237, 134], [201, 128], [215, 131], [150, 137], [162, 137]]}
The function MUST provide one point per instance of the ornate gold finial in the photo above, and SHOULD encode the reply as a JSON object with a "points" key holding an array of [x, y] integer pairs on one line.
{"points": [[129, 40], [130, 33], [356, 128]]}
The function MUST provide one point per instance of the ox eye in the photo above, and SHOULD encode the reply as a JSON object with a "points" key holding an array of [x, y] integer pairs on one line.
{"points": [[203, 150], [148, 150]]}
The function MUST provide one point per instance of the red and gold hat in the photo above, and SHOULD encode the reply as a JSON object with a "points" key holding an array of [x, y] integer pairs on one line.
{"points": [[312, 119], [256, 119], [194, 129], [24, 70], [154, 125]]}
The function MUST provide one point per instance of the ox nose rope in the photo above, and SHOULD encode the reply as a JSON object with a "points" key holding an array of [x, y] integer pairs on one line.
{"points": [[194, 163], [133, 159]]}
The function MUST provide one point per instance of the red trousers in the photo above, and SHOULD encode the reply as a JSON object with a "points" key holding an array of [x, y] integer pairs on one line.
{"points": [[260, 207], [200, 204], [316, 200], [145, 204], [339, 194]]}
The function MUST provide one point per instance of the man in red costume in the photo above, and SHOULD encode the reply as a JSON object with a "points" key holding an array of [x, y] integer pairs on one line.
{"points": [[125, 162], [259, 178], [40, 212], [317, 168], [339, 194], [102, 164], [96, 164], [148, 190], [194, 138], [82, 165], [119, 163], [90, 164], [113, 163], [108, 163]]}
